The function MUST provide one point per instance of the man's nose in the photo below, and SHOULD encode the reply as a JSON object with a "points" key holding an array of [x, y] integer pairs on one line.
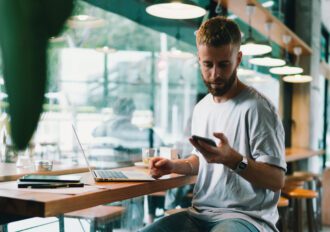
{"points": [[215, 72]]}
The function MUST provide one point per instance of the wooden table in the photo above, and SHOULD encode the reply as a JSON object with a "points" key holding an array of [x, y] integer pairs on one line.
{"points": [[18, 204], [294, 153]]}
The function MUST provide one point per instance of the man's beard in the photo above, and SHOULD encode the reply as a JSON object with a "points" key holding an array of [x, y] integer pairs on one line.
{"points": [[226, 85]]}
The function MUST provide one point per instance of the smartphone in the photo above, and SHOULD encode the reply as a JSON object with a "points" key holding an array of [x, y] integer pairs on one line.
{"points": [[205, 140], [51, 178]]}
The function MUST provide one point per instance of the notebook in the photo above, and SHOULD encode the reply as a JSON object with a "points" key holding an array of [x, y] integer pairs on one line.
{"points": [[111, 175]]}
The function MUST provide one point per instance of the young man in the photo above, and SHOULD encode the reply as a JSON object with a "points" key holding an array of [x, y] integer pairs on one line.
{"points": [[239, 181]]}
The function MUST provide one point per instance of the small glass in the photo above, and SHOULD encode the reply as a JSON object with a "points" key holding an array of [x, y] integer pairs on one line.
{"points": [[148, 154]]}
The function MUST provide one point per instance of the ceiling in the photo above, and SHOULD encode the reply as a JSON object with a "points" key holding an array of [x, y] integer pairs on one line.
{"points": [[135, 11]]}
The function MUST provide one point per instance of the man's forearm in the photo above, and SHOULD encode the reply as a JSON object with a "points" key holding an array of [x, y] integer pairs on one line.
{"points": [[188, 166], [262, 175]]}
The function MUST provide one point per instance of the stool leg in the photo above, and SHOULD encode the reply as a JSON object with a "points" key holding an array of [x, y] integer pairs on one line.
{"points": [[92, 226], [61, 223], [298, 215], [108, 227], [285, 219], [283, 222], [319, 204], [312, 227]]}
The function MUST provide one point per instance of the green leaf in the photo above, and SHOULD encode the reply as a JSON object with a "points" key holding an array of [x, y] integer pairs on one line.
{"points": [[25, 27]]}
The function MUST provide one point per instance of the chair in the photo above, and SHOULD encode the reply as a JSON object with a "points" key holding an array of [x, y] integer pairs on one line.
{"points": [[101, 217]]}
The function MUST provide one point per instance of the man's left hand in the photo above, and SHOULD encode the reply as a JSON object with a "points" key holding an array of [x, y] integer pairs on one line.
{"points": [[223, 153]]}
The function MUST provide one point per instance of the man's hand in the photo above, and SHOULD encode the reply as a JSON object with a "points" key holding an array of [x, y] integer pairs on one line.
{"points": [[160, 166], [223, 153]]}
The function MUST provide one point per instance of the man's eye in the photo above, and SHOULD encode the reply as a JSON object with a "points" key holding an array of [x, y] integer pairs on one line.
{"points": [[208, 65], [223, 65]]}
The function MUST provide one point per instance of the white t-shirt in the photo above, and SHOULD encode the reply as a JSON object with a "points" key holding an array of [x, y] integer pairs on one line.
{"points": [[253, 128]]}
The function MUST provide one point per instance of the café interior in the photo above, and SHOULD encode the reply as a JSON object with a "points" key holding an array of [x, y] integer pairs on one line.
{"points": [[124, 75]]}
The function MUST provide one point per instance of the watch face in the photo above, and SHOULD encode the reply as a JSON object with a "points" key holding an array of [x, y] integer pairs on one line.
{"points": [[242, 165]]}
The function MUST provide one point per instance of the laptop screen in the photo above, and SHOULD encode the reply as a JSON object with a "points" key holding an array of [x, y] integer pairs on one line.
{"points": [[82, 150]]}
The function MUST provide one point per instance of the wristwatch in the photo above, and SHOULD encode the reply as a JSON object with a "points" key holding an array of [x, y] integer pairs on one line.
{"points": [[241, 165]]}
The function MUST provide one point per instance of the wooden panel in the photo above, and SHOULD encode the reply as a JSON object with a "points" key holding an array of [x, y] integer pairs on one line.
{"points": [[326, 197], [300, 131], [296, 153], [258, 20]]}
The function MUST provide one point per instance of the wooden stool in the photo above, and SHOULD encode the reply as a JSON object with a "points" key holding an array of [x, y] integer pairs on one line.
{"points": [[99, 216], [313, 182], [282, 207], [297, 196], [173, 211]]}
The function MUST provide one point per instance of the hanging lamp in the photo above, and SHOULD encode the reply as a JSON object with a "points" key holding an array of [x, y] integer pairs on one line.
{"points": [[176, 10], [298, 78], [250, 47], [267, 60], [287, 69]]}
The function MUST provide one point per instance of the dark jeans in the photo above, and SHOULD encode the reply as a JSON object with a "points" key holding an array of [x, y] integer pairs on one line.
{"points": [[183, 222]]}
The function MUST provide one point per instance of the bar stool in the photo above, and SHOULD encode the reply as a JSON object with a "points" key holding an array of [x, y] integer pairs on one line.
{"points": [[174, 211], [101, 217], [314, 182], [297, 195], [282, 207]]}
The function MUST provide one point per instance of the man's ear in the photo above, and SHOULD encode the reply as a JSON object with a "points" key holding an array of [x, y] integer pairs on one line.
{"points": [[239, 57]]}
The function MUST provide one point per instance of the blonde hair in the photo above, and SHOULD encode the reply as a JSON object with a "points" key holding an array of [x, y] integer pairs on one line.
{"points": [[218, 31]]}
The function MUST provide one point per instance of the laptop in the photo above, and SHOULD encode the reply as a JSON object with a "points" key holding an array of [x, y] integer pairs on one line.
{"points": [[112, 175]]}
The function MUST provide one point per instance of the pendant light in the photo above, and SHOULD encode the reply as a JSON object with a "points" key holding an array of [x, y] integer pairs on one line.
{"points": [[287, 69], [176, 10], [250, 47], [297, 78], [267, 60]]}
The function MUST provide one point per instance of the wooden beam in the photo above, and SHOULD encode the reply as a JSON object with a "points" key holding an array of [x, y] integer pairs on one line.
{"points": [[258, 20]]}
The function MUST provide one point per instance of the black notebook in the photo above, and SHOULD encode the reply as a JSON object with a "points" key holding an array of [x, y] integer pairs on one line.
{"points": [[34, 184]]}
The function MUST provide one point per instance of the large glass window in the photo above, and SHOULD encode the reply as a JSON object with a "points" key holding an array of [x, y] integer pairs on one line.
{"points": [[124, 86]]}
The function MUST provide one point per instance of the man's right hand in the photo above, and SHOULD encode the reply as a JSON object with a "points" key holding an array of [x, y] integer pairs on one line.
{"points": [[160, 166]]}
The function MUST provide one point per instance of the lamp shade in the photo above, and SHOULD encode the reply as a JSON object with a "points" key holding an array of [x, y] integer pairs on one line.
{"points": [[176, 10], [267, 61], [297, 78], [286, 70], [251, 48]]}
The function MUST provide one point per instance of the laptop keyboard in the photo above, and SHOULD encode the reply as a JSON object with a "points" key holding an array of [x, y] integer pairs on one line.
{"points": [[111, 174]]}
